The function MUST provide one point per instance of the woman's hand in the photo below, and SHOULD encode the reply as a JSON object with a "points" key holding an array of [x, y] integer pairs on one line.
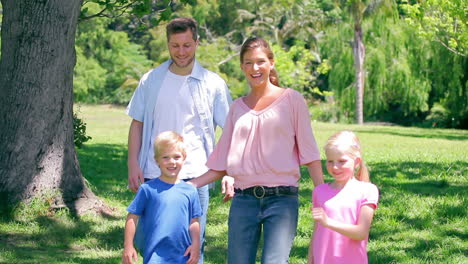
{"points": [[227, 187]]}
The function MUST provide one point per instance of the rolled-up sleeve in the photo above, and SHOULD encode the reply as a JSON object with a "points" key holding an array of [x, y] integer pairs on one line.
{"points": [[136, 107], [306, 144]]}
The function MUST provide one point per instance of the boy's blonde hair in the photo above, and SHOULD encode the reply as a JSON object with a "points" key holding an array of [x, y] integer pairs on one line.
{"points": [[348, 142], [169, 139]]}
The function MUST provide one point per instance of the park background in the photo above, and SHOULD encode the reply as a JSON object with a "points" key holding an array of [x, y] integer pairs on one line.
{"points": [[415, 67], [415, 70]]}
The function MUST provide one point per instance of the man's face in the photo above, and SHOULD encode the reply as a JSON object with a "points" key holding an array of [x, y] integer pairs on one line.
{"points": [[182, 48]]}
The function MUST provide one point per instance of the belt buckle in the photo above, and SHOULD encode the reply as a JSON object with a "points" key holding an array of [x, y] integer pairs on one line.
{"points": [[259, 188]]}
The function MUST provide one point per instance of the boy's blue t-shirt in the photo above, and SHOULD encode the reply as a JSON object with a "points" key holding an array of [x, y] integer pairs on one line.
{"points": [[165, 211]]}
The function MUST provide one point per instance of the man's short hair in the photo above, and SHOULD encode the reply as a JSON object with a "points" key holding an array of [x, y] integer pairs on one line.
{"points": [[181, 25]]}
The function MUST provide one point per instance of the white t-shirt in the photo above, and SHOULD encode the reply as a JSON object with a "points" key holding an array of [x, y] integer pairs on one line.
{"points": [[175, 111]]}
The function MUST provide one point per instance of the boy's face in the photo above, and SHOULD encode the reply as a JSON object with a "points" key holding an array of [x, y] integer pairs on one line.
{"points": [[170, 162]]}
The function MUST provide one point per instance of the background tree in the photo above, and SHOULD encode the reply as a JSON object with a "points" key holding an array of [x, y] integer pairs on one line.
{"points": [[314, 40], [38, 159], [36, 68], [358, 10]]}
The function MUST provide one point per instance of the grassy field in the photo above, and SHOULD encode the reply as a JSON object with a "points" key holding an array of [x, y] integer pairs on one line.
{"points": [[422, 215]]}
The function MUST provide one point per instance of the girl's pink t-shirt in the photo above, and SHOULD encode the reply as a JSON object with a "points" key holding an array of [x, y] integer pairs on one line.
{"points": [[330, 247], [266, 147]]}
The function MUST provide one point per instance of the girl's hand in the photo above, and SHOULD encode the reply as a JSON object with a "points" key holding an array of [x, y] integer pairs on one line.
{"points": [[320, 216], [193, 253]]}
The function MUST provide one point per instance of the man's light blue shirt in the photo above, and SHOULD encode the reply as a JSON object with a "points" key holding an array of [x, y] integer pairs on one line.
{"points": [[210, 95]]}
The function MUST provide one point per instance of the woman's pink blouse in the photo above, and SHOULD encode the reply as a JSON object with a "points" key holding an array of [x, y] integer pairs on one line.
{"points": [[266, 147]]}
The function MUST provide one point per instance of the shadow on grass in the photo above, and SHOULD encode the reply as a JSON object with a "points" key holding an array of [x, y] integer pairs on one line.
{"points": [[63, 239], [426, 198], [60, 242], [421, 178], [429, 187], [400, 183], [417, 133], [105, 168]]}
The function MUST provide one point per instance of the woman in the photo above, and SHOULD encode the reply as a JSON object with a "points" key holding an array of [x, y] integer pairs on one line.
{"points": [[266, 138]]}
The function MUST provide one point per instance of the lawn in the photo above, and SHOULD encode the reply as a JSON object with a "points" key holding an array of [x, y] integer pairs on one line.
{"points": [[422, 215]]}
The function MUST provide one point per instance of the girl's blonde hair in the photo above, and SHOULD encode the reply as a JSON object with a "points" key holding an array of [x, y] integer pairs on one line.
{"points": [[348, 142], [169, 139]]}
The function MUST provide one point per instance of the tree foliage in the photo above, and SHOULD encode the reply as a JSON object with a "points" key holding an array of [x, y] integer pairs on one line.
{"points": [[443, 21], [107, 61], [406, 48]]}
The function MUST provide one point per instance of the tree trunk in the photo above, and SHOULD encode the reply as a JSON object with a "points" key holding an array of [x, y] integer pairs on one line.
{"points": [[37, 156], [359, 53]]}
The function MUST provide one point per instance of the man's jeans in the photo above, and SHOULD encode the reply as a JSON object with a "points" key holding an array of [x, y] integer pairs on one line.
{"points": [[203, 193], [277, 215]]}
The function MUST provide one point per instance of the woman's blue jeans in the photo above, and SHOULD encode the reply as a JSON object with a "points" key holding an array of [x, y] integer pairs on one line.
{"points": [[274, 216]]}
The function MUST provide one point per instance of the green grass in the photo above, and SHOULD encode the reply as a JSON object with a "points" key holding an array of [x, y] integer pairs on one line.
{"points": [[422, 215]]}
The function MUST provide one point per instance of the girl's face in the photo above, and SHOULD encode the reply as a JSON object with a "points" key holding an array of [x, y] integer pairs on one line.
{"points": [[257, 66], [340, 165]]}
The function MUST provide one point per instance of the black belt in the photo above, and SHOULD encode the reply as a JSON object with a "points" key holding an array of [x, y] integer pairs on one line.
{"points": [[263, 191]]}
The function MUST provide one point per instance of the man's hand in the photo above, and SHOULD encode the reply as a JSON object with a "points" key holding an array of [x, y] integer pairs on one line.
{"points": [[135, 177], [135, 174], [227, 187]]}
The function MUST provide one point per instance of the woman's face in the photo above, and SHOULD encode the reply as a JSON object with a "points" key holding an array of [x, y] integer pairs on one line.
{"points": [[257, 66]]}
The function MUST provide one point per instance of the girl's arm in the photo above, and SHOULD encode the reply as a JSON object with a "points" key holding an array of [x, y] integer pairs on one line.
{"points": [[193, 251], [356, 232], [315, 172], [130, 254], [206, 178]]}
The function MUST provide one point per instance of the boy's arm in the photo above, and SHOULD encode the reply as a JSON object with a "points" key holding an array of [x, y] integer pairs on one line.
{"points": [[356, 232], [129, 253], [193, 251]]}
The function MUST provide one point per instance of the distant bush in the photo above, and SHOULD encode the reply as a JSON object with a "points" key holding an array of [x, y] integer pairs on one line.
{"points": [[79, 129]]}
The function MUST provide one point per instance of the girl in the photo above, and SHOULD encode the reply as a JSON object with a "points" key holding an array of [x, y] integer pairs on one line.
{"points": [[266, 137], [343, 210]]}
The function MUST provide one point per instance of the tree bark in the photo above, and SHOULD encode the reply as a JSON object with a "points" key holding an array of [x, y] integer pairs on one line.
{"points": [[359, 53], [37, 157]]}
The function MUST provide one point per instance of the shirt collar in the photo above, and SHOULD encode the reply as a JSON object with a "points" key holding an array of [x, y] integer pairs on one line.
{"points": [[197, 71]]}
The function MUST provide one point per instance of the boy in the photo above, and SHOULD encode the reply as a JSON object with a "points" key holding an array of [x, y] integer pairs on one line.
{"points": [[168, 209]]}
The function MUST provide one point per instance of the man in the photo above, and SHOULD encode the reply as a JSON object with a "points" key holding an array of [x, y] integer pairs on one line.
{"points": [[182, 96]]}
